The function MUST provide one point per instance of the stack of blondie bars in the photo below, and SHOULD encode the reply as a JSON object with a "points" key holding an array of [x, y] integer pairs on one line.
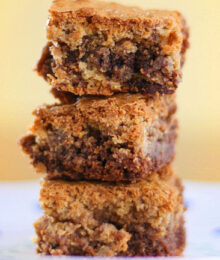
{"points": [[107, 146]]}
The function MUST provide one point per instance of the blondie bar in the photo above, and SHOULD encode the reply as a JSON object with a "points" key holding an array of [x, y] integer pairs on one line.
{"points": [[101, 48], [108, 219], [122, 137]]}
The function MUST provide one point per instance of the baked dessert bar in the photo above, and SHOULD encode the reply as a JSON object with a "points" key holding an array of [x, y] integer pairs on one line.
{"points": [[123, 137], [108, 219], [101, 48]]}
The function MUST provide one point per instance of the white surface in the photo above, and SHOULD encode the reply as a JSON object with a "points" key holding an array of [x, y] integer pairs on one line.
{"points": [[19, 208]]}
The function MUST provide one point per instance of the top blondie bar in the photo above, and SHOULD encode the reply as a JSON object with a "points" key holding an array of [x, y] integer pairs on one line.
{"points": [[102, 48]]}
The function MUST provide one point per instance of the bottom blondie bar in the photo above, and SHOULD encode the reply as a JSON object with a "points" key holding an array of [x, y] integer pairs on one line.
{"points": [[107, 219]]}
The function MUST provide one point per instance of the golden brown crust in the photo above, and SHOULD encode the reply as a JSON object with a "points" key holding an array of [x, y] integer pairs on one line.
{"points": [[99, 218], [101, 48], [111, 10], [123, 137]]}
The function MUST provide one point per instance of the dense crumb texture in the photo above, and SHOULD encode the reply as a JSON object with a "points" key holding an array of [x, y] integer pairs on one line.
{"points": [[104, 219], [66, 238], [101, 48], [123, 137]]}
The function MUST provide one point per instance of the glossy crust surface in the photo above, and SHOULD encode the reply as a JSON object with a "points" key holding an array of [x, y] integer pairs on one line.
{"points": [[108, 219], [123, 137], [101, 48]]}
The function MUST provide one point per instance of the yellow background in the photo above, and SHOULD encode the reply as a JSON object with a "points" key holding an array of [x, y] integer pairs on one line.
{"points": [[22, 35]]}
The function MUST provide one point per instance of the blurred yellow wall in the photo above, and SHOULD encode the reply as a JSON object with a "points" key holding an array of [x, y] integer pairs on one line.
{"points": [[22, 30]]}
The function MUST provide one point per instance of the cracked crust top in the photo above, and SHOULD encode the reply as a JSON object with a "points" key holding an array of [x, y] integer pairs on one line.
{"points": [[111, 10]]}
